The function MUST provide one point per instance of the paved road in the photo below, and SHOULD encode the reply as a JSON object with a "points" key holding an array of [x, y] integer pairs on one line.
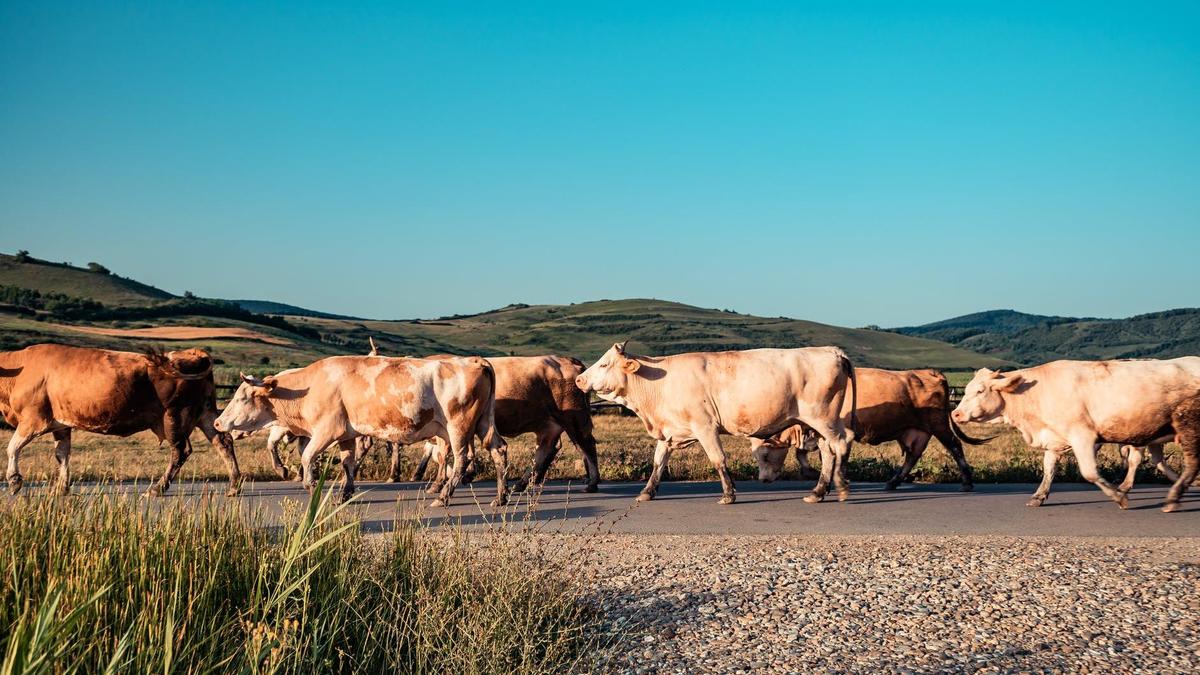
{"points": [[777, 509]]}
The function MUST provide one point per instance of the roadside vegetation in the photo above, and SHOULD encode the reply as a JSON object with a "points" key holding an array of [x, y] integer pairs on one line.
{"points": [[115, 584], [625, 453]]}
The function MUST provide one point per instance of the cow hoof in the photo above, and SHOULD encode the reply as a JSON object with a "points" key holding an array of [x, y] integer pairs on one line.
{"points": [[15, 482], [890, 486], [967, 487], [645, 496], [592, 487], [437, 503], [62, 490], [155, 490], [814, 499], [433, 489], [727, 499], [1123, 502], [843, 495], [233, 492], [395, 479], [499, 501], [1171, 508], [1035, 502], [521, 486]]}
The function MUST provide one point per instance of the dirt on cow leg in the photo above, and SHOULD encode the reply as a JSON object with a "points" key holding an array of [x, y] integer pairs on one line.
{"points": [[18, 441], [349, 456], [500, 458]]}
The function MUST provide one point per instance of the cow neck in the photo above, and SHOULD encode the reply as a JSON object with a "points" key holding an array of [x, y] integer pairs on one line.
{"points": [[287, 410], [1014, 410], [640, 395]]}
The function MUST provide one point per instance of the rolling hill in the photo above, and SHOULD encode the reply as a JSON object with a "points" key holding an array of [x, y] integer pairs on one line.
{"points": [[132, 315], [1030, 339]]}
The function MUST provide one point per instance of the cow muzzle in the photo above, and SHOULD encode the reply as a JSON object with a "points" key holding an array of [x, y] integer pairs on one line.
{"points": [[582, 383]]}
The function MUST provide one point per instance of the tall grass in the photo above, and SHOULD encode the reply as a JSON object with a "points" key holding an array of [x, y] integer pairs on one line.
{"points": [[110, 584]]}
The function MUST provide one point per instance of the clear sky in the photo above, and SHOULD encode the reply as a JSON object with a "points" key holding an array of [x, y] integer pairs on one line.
{"points": [[847, 163]]}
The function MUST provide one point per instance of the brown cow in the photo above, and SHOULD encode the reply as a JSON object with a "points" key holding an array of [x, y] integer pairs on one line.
{"points": [[534, 394], [1079, 405], [54, 388], [341, 398], [906, 406], [690, 398]]}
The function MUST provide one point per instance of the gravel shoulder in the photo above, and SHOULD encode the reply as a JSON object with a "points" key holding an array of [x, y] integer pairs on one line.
{"points": [[689, 603]]}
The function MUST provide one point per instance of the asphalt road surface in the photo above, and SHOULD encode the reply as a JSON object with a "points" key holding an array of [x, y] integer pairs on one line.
{"points": [[1073, 509]]}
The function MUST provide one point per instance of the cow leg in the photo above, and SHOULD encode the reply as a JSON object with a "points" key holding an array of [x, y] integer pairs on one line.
{"points": [[179, 455], [1084, 447], [955, 447], [500, 459], [224, 446], [1160, 463], [1187, 434], [579, 430], [710, 440], [662, 454], [19, 440], [350, 456], [907, 443], [459, 446], [62, 453], [827, 466], [841, 456], [396, 457], [440, 450], [1049, 463], [548, 438], [427, 450], [273, 439], [315, 446], [1133, 459]]}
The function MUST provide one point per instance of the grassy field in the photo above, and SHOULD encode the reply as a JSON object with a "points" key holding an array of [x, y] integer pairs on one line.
{"points": [[116, 585], [624, 448]]}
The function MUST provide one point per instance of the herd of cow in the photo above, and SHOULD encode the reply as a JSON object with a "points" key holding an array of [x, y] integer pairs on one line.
{"points": [[781, 399]]}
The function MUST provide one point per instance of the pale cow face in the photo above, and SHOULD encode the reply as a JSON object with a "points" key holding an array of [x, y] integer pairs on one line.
{"points": [[982, 401], [609, 376], [250, 409], [770, 461]]}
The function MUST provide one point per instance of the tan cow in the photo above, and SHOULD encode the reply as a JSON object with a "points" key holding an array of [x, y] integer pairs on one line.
{"points": [[906, 406], [54, 388], [534, 394], [694, 398], [341, 398], [1079, 405]]}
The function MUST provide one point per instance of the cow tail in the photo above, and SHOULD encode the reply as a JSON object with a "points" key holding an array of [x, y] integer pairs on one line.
{"points": [[848, 369], [486, 426], [969, 440]]}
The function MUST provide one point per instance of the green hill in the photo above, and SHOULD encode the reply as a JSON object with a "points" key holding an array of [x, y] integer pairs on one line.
{"points": [[69, 298], [79, 282], [654, 327], [1030, 339]]}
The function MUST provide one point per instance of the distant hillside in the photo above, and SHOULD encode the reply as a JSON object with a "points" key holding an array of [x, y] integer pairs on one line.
{"points": [[996, 322], [654, 327], [1157, 335], [269, 307], [60, 302], [49, 277]]}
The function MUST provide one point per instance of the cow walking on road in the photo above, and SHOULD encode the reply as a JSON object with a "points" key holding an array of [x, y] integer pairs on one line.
{"points": [[1079, 405], [906, 406], [342, 398], [52, 389], [696, 397]]}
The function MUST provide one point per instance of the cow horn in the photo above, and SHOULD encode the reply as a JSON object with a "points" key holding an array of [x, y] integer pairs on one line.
{"points": [[622, 348], [374, 349]]}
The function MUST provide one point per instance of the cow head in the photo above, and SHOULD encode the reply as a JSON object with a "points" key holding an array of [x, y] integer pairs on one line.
{"points": [[250, 409], [609, 376], [982, 399], [770, 457]]}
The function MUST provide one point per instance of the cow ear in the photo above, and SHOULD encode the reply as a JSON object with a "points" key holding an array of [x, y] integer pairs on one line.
{"points": [[631, 366], [269, 383], [619, 347], [1008, 384]]}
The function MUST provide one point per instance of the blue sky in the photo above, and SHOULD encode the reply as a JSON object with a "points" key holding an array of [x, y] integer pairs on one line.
{"points": [[847, 163]]}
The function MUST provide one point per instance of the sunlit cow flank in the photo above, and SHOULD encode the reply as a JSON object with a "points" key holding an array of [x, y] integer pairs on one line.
{"points": [[1079, 405], [534, 394], [52, 389], [696, 397], [341, 398], [906, 406]]}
